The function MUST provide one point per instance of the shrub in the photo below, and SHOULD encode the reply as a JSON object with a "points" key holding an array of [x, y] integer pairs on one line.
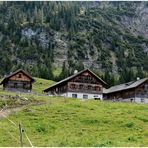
{"points": [[129, 124]]}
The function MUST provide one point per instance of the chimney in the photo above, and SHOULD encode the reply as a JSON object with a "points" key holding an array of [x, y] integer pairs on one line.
{"points": [[138, 78], [75, 71]]}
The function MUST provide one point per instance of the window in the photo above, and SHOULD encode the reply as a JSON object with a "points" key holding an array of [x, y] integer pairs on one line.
{"points": [[15, 85], [132, 99], [57, 89], [89, 87], [73, 86], [20, 76], [74, 95], [97, 88], [89, 77], [96, 97], [85, 96], [146, 86], [142, 100], [24, 85], [80, 86]]}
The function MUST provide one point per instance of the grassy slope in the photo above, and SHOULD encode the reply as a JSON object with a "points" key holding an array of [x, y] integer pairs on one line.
{"points": [[71, 122], [63, 122], [41, 84]]}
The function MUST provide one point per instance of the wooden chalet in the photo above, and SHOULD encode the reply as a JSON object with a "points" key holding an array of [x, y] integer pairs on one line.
{"points": [[135, 91], [18, 81], [84, 84]]}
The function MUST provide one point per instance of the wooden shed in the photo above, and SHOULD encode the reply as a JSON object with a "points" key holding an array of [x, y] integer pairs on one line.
{"points": [[18, 81], [134, 91]]}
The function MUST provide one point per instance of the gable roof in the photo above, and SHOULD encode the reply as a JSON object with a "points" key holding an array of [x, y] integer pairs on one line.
{"points": [[125, 86], [14, 73], [73, 76]]}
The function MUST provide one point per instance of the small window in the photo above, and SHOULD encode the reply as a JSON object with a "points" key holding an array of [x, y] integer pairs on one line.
{"points": [[57, 89], [19, 75], [85, 96], [24, 85], [142, 100], [131, 99], [74, 95], [15, 85], [96, 97], [80, 86], [87, 77], [146, 86], [97, 88], [89, 87], [73, 86]]}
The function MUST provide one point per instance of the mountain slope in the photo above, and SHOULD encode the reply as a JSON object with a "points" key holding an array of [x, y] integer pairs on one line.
{"points": [[42, 36]]}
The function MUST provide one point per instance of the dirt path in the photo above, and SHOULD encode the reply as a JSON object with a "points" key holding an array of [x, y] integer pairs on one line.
{"points": [[6, 111]]}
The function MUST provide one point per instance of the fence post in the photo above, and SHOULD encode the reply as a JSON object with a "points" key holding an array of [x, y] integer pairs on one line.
{"points": [[21, 138]]}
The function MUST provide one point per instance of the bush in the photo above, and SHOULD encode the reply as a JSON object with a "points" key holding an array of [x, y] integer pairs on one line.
{"points": [[129, 124]]}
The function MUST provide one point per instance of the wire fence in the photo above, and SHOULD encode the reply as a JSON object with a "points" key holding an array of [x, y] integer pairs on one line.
{"points": [[16, 128]]}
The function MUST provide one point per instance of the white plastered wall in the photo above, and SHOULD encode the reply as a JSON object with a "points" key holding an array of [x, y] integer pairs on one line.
{"points": [[80, 95], [139, 100]]}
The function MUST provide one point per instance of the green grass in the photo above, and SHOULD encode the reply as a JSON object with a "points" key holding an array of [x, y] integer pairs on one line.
{"points": [[41, 84], [58, 121], [57, 71], [71, 122]]}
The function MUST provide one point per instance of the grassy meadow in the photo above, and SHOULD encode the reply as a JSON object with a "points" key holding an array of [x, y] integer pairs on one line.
{"points": [[40, 84], [58, 121]]}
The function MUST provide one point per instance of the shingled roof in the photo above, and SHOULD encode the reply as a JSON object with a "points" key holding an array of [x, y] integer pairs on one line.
{"points": [[73, 76], [17, 71], [125, 86]]}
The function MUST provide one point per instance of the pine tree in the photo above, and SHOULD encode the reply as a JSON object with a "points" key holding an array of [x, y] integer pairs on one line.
{"points": [[140, 73], [64, 73], [107, 78]]}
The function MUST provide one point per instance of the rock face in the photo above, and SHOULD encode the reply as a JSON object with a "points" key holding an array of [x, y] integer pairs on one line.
{"points": [[60, 50], [138, 23]]}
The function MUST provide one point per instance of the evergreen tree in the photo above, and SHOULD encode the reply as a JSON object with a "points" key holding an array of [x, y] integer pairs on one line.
{"points": [[65, 72], [107, 78], [140, 73]]}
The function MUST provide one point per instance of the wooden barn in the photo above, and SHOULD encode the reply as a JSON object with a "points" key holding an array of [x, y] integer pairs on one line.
{"points": [[135, 91], [18, 81], [84, 84]]}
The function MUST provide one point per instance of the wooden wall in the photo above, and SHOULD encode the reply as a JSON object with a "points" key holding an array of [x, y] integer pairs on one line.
{"points": [[139, 91], [20, 76], [84, 82], [18, 82]]}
